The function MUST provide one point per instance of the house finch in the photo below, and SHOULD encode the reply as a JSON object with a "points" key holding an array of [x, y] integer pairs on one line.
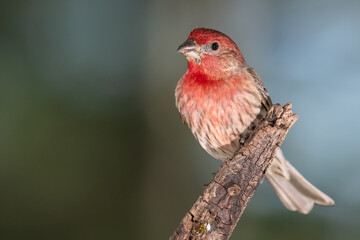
{"points": [[222, 100]]}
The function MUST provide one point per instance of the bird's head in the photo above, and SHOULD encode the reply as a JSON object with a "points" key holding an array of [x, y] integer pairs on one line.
{"points": [[212, 53]]}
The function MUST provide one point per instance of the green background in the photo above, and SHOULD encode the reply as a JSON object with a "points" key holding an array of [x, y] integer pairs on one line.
{"points": [[92, 146]]}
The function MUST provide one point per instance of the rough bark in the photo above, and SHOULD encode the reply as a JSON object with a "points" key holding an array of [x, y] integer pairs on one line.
{"points": [[217, 211]]}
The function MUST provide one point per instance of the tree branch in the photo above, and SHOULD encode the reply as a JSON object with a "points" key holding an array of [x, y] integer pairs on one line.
{"points": [[217, 211]]}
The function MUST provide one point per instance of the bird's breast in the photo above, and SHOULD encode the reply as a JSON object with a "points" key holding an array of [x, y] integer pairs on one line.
{"points": [[218, 113]]}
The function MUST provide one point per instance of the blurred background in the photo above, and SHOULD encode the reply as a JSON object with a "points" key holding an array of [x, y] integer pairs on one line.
{"points": [[92, 146]]}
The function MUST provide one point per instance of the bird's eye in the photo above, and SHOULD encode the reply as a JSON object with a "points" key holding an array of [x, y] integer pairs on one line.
{"points": [[214, 46]]}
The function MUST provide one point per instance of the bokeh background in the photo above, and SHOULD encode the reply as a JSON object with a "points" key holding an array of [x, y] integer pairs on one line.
{"points": [[92, 146]]}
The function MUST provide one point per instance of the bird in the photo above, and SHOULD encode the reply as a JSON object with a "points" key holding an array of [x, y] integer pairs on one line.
{"points": [[221, 99]]}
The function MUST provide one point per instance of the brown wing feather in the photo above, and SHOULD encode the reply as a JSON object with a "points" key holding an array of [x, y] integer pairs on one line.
{"points": [[265, 100]]}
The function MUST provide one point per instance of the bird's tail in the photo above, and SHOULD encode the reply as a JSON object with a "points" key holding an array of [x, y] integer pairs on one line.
{"points": [[295, 192]]}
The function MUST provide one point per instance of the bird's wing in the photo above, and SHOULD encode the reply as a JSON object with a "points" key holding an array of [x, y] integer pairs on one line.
{"points": [[265, 98]]}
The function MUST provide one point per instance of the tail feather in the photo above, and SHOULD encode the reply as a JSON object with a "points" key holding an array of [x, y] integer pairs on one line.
{"points": [[295, 192]]}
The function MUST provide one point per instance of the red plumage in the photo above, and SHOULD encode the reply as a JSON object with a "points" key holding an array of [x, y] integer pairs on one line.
{"points": [[222, 100]]}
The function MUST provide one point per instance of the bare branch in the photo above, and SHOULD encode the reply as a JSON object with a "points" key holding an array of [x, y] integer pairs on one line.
{"points": [[217, 211]]}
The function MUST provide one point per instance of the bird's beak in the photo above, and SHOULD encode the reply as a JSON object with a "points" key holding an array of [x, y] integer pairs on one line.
{"points": [[190, 49]]}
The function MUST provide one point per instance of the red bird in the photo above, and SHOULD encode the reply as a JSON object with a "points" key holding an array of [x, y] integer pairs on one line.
{"points": [[222, 100]]}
